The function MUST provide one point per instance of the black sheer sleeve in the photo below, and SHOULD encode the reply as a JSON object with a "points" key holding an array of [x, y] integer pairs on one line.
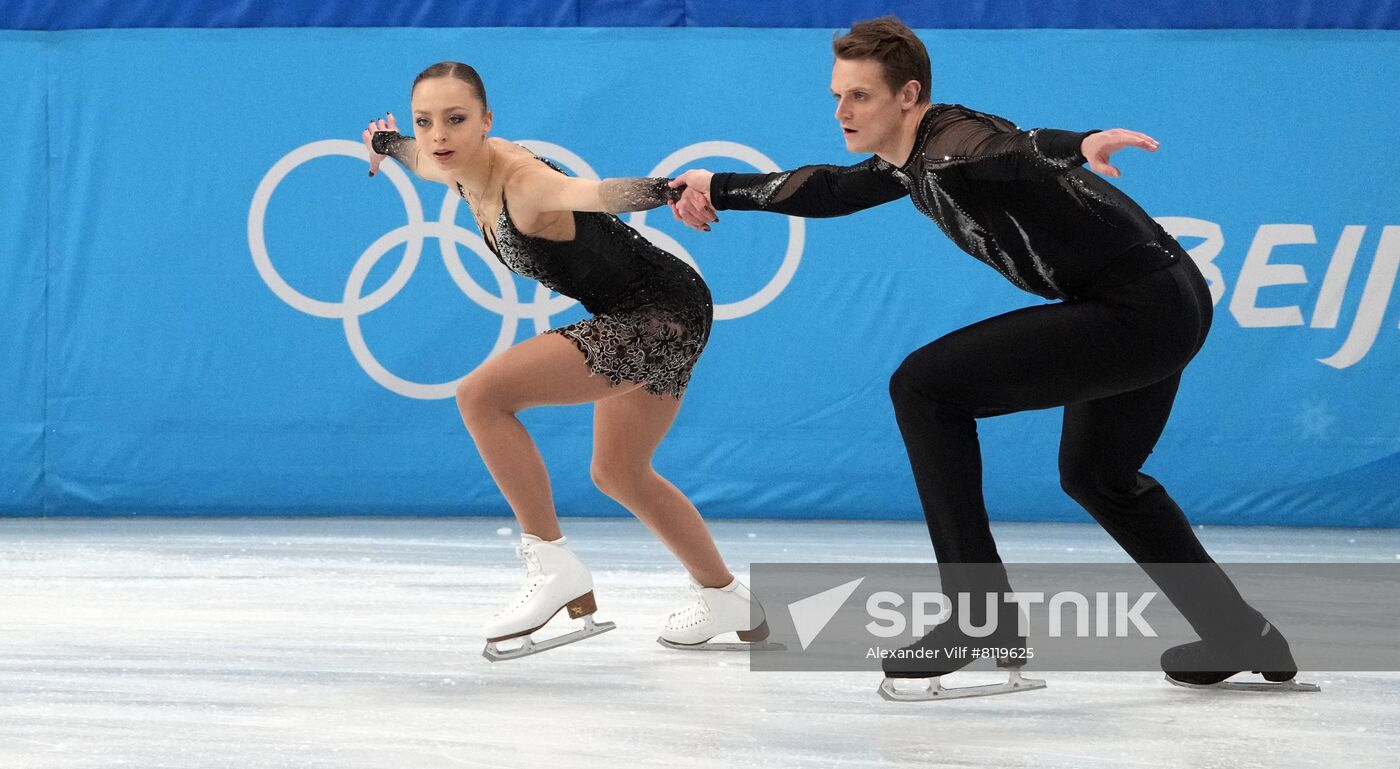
{"points": [[810, 191], [397, 146], [989, 148]]}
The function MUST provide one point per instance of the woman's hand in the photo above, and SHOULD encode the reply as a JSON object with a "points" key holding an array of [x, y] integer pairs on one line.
{"points": [[382, 124], [694, 206]]}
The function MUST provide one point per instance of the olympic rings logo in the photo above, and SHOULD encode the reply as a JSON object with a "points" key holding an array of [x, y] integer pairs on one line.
{"points": [[506, 302]]}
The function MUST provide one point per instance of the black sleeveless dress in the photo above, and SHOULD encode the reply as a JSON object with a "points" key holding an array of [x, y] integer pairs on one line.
{"points": [[651, 312]]}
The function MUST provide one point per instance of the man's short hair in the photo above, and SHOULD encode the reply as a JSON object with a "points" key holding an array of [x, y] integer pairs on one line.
{"points": [[901, 54]]}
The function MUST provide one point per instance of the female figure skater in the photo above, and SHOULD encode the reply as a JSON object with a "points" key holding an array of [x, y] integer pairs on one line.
{"points": [[651, 316]]}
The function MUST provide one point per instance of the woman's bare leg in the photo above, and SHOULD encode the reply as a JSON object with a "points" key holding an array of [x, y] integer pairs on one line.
{"points": [[626, 431], [545, 370]]}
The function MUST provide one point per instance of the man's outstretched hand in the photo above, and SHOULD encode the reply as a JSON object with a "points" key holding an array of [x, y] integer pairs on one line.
{"points": [[1097, 148]]}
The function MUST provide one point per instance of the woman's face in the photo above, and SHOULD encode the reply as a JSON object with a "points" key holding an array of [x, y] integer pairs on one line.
{"points": [[449, 121]]}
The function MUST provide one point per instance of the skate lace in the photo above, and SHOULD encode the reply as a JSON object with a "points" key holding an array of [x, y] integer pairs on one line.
{"points": [[691, 615], [531, 559], [532, 572]]}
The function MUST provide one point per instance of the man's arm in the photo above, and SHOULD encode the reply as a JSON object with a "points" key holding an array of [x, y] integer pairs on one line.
{"points": [[809, 191], [988, 148]]}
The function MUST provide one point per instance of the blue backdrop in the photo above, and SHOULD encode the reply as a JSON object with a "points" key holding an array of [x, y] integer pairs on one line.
{"points": [[210, 308]]}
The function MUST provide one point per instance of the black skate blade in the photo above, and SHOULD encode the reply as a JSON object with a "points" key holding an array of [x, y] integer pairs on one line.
{"points": [[725, 646], [935, 690], [1291, 685], [590, 628]]}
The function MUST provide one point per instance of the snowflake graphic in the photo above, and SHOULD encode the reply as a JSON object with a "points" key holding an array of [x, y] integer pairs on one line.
{"points": [[1315, 420]]}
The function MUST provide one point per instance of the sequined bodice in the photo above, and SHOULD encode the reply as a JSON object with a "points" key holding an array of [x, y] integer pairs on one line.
{"points": [[607, 266]]}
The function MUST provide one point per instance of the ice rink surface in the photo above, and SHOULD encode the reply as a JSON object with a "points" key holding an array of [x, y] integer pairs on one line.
{"points": [[310, 643]]}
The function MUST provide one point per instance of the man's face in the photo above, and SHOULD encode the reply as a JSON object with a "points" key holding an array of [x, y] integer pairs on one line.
{"points": [[870, 113]]}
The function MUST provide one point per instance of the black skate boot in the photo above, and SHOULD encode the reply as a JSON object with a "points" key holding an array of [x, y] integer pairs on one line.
{"points": [[1199, 665]]}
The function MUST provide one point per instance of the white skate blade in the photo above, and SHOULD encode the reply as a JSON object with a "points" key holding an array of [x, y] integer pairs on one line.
{"points": [[1291, 685], [494, 653], [934, 690], [725, 646]]}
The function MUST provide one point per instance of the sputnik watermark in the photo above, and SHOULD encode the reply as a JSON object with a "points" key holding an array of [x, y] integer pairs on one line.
{"points": [[1100, 617], [951, 653], [888, 621]]}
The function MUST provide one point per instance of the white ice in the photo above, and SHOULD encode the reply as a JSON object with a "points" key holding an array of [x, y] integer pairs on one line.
{"points": [[310, 643]]}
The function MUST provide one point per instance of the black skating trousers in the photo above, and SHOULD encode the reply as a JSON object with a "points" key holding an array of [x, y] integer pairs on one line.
{"points": [[1113, 359]]}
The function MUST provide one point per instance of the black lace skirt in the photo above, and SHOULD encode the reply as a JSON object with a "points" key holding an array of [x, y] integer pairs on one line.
{"points": [[653, 337]]}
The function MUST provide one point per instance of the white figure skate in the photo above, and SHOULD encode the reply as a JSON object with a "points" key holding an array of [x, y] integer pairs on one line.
{"points": [[554, 579], [714, 612]]}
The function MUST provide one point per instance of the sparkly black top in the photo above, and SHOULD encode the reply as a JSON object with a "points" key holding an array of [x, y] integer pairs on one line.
{"points": [[607, 266], [1016, 200]]}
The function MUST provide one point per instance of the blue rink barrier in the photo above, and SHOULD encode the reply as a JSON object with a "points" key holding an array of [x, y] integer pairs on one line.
{"points": [[211, 309], [944, 14]]}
